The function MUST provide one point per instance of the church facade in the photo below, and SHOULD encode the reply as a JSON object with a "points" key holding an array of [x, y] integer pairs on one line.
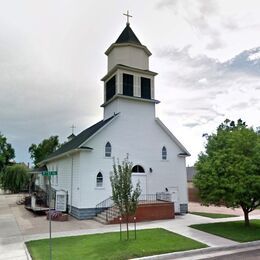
{"points": [[129, 129]]}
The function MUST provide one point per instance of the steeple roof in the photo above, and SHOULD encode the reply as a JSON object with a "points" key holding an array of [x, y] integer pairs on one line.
{"points": [[128, 36]]}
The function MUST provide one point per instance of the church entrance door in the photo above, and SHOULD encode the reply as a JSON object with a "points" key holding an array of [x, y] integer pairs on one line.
{"points": [[138, 174], [141, 177]]}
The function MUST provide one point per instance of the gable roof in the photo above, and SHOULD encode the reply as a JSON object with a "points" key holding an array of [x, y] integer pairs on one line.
{"points": [[78, 140], [128, 36], [184, 152]]}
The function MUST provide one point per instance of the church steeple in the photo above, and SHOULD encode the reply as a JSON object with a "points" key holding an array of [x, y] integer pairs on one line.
{"points": [[128, 36], [128, 76], [128, 50]]}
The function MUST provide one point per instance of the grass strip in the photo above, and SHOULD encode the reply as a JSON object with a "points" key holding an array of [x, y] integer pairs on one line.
{"points": [[108, 245], [213, 215], [235, 230]]}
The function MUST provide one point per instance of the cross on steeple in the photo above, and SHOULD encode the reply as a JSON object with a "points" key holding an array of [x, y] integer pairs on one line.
{"points": [[72, 128], [127, 15]]}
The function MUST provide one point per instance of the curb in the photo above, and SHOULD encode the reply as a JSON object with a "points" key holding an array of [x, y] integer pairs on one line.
{"points": [[27, 252], [197, 252]]}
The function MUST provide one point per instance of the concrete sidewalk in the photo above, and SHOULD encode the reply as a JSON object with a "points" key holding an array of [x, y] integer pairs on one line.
{"points": [[18, 225], [11, 239], [178, 225], [197, 207]]}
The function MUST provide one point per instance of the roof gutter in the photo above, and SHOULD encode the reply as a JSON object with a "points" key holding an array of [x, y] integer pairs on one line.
{"points": [[65, 154]]}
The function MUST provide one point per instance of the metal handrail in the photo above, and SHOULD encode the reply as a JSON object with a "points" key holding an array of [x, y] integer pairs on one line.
{"points": [[164, 196], [113, 212], [105, 203]]}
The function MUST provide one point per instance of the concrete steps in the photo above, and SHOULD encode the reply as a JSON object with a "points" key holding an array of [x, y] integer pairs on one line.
{"points": [[107, 215]]}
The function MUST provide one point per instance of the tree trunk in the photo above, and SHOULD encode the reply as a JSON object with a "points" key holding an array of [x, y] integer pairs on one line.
{"points": [[127, 231], [246, 217]]}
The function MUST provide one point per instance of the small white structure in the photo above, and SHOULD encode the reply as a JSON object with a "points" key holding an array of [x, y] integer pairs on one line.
{"points": [[61, 200], [129, 129]]}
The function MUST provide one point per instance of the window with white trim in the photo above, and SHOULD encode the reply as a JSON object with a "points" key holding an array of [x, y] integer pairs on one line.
{"points": [[99, 181], [138, 168], [164, 153], [108, 150]]}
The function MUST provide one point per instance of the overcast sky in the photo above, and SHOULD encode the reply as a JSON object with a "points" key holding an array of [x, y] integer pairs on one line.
{"points": [[207, 54]]}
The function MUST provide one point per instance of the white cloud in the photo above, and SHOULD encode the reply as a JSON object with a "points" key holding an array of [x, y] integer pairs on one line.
{"points": [[203, 81], [52, 59], [207, 92], [254, 56]]}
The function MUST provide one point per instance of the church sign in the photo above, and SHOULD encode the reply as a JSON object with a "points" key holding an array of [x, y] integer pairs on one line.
{"points": [[61, 200]]}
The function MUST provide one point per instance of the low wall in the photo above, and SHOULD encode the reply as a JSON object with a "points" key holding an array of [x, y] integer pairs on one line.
{"points": [[152, 211]]}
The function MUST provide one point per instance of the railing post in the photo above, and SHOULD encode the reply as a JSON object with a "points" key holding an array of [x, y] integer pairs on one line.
{"points": [[120, 219], [135, 226]]}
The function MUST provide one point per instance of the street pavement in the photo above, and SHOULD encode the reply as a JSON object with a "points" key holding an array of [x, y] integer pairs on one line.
{"points": [[18, 225]]}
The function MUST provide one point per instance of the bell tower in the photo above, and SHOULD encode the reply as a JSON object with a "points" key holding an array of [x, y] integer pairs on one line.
{"points": [[128, 78]]}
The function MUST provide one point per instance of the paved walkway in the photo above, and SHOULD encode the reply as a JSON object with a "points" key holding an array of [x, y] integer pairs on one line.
{"points": [[178, 225], [11, 239], [196, 207], [18, 225]]}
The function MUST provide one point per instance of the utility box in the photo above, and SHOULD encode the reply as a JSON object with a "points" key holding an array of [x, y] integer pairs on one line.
{"points": [[61, 200]]}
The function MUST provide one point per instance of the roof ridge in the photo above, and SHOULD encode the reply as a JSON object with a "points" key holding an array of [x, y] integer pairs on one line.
{"points": [[79, 139]]}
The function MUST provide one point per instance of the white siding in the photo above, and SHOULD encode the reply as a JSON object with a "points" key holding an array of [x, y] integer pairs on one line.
{"points": [[129, 56], [68, 175], [134, 132]]}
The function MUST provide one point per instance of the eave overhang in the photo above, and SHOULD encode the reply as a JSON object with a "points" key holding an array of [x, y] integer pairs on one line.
{"points": [[128, 68], [130, 98], [114, 45], [66, 154]]}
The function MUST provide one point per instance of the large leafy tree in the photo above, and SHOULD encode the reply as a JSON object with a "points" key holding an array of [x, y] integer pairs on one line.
{"points": [[124, 195], [42, 150], [15, 178], [6, 152], [228, 172]]}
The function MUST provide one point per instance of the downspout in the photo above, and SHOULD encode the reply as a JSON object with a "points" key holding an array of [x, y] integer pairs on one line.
{"points": [[71, 183]]}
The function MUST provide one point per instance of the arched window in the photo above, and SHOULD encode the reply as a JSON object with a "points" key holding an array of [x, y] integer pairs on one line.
{"points": [[164, 153], [138, 168], [99, 180], [108, 149]]}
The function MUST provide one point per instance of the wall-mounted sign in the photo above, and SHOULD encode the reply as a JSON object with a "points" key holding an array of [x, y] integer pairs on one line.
{"points": [[61, 200]]}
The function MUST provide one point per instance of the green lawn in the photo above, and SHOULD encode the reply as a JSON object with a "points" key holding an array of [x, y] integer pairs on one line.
{"points": [[109, 246], [213, 215], [235, 230]]}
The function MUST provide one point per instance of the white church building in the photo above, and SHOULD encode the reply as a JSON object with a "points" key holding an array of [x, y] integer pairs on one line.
{"points": [[129, 129]]}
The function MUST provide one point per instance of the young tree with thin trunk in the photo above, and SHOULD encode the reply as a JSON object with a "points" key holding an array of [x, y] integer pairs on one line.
{"points": [[228, 173], [124, 195]]}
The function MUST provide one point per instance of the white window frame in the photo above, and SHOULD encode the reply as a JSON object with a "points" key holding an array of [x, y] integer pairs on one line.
{"points": [[99, 180], [108, 150], [164, 153]]}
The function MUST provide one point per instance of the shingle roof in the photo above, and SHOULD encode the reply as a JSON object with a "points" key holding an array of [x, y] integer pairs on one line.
{"points": [[79, 139], [128, 36]]}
